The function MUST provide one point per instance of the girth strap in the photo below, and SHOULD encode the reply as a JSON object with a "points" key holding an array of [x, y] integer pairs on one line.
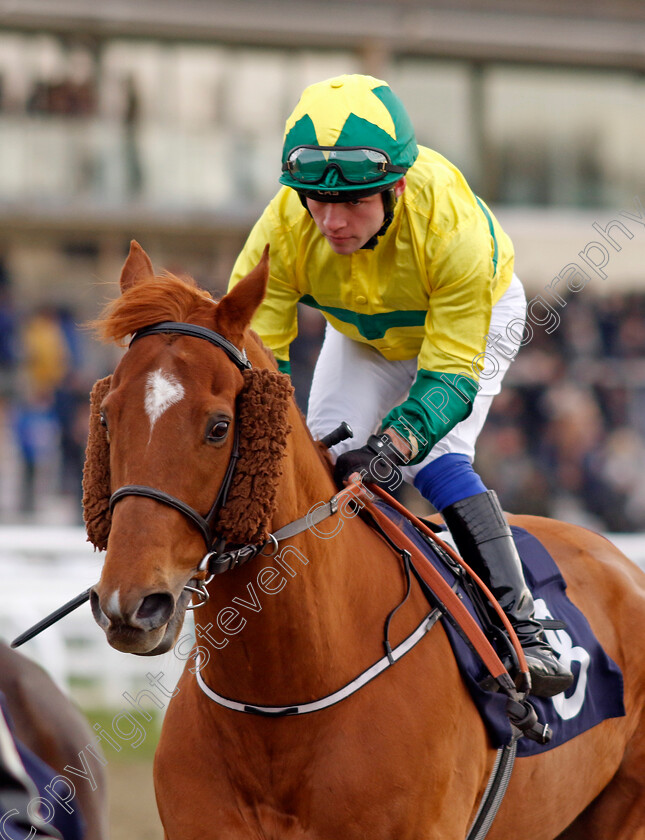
{"points": [[495, 790]]}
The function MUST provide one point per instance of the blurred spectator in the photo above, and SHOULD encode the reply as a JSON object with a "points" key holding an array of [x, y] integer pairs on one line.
{"points": [[503, 456], [571, 439], [46, 413], [8, 354], [565, 438], [72, 336], [131, 114], [62, 97], [37, 435], [46, 353], [622, 464], [72, 411]]}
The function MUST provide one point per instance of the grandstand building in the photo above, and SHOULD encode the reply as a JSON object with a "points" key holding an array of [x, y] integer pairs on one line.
{"points": [[162, 121]]}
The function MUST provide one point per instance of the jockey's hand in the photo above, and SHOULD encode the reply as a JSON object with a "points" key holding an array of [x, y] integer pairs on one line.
{"points": [[378, 462]]}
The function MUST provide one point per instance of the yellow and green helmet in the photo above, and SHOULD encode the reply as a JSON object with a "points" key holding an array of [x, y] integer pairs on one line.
{"points": [[348, 136]]}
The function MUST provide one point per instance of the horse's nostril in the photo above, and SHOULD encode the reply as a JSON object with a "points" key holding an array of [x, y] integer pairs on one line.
{"points": [[97, 612], [155, 609]]}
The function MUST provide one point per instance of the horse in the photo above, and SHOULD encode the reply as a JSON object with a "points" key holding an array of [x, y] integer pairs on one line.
{"points": [[184, 421], [46, 722]]}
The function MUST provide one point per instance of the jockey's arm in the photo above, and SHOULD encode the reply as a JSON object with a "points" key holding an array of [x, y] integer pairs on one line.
{"points": [[435, 404], [450, 361]]}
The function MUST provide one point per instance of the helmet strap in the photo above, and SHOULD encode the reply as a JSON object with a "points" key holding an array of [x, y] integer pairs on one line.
{"points": [[303, 201], [389, 203]]}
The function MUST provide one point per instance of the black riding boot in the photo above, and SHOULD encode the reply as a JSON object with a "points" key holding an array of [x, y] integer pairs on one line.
{"points": [[484, 538]]}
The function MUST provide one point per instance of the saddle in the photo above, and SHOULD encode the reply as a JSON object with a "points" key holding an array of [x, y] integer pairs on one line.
{"points": [[597, 691]]}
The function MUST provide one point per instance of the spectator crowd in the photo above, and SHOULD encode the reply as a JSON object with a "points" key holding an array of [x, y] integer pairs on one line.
{"points": [[44, 387], [565, 438]]}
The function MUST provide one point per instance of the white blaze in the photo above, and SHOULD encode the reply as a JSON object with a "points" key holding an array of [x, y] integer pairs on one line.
{"points": [[162, 391], [113, 606]]}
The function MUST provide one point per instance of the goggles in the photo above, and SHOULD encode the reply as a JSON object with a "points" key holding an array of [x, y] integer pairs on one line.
{"points": [[355, 164]]}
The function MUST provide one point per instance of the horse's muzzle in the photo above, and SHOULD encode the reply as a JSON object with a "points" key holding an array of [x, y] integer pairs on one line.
{"points": [[148, 628]]}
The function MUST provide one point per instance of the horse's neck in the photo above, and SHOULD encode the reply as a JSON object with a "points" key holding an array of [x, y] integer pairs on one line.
{"points": [[311, 617]]}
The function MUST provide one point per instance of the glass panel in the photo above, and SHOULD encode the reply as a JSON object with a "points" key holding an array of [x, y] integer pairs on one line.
{"points": [[436, 94], [564, 137], [200, 126], [173, 126]]}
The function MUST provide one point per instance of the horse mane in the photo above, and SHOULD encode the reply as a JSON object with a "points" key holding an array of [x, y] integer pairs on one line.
{"points": [[167, 298]]}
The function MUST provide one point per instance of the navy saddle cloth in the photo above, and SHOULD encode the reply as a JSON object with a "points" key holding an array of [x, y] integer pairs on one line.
{"points": [[71, 826], [597, 691]]}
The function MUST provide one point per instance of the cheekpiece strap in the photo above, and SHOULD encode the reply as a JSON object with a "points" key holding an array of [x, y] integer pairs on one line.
{"points": [[216, 563]]}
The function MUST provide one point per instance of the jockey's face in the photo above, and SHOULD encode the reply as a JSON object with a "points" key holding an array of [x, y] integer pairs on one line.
{"points": [[348, 225]]}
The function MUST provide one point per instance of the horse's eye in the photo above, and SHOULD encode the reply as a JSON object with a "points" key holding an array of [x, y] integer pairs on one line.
{"points": [[104, 425], [218, 431]]}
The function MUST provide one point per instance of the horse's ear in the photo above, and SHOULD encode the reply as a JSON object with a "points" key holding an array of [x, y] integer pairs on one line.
{"points": [[235, 309], [136, 268]]}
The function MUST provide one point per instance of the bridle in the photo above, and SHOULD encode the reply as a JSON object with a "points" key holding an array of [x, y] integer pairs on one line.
{"points": [[218, 557], [205, 524], [217, 560]]}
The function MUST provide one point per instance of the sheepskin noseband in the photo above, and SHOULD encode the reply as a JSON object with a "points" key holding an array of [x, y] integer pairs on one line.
{"points": [[96, 472], [262, 409]]}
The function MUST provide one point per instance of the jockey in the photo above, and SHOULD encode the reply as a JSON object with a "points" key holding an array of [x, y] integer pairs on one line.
{"points": [[414, 276]]}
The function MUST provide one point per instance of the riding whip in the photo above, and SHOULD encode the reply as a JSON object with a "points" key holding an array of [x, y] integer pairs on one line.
{"points": [[52, 618]]}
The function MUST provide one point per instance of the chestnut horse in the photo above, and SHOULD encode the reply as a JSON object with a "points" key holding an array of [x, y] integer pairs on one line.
{"points": [[52, 727], [405, 758]]}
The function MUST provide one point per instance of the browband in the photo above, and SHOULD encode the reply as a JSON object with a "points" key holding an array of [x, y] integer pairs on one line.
{"points": [[178, 328]]}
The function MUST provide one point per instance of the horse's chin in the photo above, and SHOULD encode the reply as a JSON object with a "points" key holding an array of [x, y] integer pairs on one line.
{"points": [[149, 642]]}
